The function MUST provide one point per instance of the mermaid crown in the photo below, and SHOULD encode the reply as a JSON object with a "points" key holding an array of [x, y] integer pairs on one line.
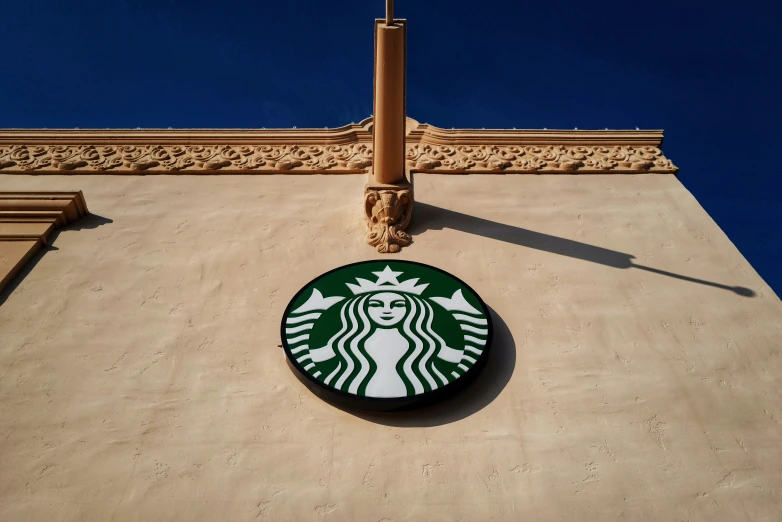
{"points": [[387, 282]]}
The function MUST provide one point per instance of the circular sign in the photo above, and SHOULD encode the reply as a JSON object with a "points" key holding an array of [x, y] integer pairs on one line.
{"points": [[386, 335]]}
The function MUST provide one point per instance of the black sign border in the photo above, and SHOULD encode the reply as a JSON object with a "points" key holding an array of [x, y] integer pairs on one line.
{"points": [[348, 400]]}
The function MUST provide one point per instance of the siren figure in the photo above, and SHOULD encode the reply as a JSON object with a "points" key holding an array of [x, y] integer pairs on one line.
{"points": [[386, 345]]}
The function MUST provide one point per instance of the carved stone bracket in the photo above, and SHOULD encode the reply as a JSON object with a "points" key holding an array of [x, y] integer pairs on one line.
{"points": [[387, 212]]}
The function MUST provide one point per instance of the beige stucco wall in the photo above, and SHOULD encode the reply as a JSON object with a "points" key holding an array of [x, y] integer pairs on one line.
{"points": [[141, 378]]}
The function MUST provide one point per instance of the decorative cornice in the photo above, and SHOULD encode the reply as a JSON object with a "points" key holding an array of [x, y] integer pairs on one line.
{"points": [[348, 134], [530, 159], [343, 150], [35, 215], [174, 159], [27, 220]]}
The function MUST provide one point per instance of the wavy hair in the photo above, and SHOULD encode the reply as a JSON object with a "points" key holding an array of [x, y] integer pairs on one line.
{"points": [[416, 367]]}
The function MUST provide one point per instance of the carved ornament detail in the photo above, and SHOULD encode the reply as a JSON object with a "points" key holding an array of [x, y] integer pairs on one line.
{"points": [[350, 158], [342, 150], [337, 159], [538, 158], [387, 214]]}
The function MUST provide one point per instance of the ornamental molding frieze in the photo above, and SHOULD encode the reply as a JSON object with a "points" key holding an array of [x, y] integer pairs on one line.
{"points": [[344, 150], [175, 159]]}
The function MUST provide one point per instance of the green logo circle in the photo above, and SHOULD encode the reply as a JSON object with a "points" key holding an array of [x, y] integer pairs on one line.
{"points": [[386, 334]]}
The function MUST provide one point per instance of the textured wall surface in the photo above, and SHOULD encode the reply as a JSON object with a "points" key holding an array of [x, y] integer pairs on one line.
{"points": [[635, 374]]}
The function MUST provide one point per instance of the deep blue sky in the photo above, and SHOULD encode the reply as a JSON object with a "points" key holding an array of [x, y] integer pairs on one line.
{"points": [[709, 73]]}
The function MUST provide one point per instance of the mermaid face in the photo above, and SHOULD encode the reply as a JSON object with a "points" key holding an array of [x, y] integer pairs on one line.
{"points": [[387, 308]]}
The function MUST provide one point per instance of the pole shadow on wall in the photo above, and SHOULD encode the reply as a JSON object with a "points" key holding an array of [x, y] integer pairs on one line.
{"points": [[430, 217], [476, 396]]}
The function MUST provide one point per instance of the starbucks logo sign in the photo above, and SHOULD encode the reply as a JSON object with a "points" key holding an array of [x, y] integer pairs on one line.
{"points": [[385, 335]]}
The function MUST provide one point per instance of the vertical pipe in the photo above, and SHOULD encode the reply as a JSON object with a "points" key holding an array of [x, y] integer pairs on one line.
{"points": [[389, 114]]}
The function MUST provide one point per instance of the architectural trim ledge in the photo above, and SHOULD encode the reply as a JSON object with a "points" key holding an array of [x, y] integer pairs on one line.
{"points": [[27, 220], [343, 150]]}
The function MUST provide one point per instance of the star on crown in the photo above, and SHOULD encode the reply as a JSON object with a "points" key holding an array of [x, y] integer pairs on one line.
{"points": [[387, 282]]}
